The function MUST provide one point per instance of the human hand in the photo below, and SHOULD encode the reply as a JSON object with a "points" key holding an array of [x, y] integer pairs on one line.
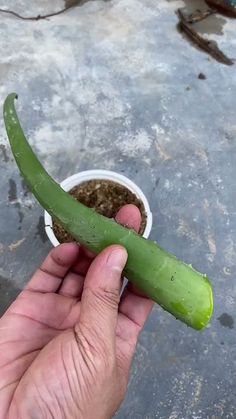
{"points": [[67, 342]]}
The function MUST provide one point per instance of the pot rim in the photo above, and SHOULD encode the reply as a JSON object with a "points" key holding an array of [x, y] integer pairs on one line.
{"points": [[74, 180]]}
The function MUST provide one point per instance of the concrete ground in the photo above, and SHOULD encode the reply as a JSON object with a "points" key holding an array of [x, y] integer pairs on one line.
{"points": [[114, 85]]}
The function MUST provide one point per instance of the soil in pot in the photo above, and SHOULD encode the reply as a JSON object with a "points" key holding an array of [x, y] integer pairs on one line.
{"points": [[104, 196]]}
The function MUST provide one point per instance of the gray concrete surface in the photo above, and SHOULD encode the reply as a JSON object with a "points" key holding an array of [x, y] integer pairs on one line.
{"points": [[112, 84]]}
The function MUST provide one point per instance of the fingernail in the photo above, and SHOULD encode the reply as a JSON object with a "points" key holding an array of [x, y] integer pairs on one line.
{"points": [[117, 259]]}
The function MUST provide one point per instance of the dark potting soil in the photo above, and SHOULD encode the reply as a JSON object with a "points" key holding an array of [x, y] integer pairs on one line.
{"points": [[105, 197]]}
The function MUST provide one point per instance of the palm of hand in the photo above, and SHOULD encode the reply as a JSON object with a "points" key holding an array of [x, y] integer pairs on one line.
{"points": [[37, 317], [50, 362]]}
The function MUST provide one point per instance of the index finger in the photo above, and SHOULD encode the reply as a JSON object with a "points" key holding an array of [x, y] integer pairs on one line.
{"points": [[51, 273]]}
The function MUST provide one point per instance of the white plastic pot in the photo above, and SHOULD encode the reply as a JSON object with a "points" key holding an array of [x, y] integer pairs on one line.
{"points": [[80, 177]]}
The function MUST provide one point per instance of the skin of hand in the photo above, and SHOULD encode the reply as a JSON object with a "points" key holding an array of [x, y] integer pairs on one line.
{"points": [[67, 341]]}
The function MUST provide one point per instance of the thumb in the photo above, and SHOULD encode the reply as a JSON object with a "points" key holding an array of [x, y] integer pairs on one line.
{"points": [[101, 293]]}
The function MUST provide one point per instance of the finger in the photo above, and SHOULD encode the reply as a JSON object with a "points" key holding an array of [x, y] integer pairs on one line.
{"points": [[49, 276], [83, 263], [72, 286], [129, 216], [133, 312], [132, 288], [57, 311], [88, 253], [101, 294]]}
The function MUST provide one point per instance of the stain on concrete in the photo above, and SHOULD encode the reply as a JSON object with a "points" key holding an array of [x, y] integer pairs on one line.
{"points": [[71, 3], [14, 246], [211, 244], [12, 192], [13, 199], [40, 230], [212, 25], [157, 182], [8, 293], [226, 271], [20, 214], [3, 150], [24, 188], [162, 152], [226, 320]]}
